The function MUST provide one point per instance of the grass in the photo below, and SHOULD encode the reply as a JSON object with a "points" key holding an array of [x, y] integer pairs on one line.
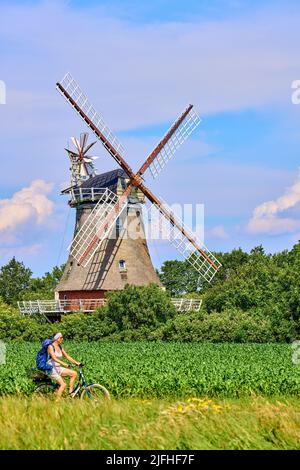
{"points": [[132, 423]]}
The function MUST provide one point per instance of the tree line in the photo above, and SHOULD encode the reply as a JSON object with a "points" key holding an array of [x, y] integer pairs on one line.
{"points": [[254, 297]]}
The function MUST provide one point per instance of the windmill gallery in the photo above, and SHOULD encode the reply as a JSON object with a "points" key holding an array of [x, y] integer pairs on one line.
{"points": [[105, 253]]}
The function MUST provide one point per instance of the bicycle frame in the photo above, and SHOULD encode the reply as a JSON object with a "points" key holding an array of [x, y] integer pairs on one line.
{"points": [[81, 383]]}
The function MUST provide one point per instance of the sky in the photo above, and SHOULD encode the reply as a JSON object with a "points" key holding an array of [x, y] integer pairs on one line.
{"points": [[141, 64]]}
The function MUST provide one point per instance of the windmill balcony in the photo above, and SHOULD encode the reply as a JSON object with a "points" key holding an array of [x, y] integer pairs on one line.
{"points": [[48, 308], [79, 194]]}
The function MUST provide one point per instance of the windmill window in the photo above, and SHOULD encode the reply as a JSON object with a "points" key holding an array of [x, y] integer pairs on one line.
{"points": [[119, 226], [122, 265]]}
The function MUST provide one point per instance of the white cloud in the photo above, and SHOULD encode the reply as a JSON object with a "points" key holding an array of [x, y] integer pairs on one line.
{"points": [[30, 204], [288, 200], [265, 217]]}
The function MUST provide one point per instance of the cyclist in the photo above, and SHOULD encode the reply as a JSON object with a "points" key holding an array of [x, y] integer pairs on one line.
{"points": [[61, 369]]}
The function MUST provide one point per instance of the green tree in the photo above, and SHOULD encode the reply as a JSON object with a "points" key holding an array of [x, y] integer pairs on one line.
{"points": [[137, 306], [179, 278], [14, 280], [43, 287]]}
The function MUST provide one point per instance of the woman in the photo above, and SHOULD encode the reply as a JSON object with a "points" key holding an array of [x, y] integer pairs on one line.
{"points": [[59, 368]]}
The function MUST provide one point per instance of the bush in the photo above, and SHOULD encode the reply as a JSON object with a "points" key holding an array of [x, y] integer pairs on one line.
{"points": [[146, 314], [87, 327], [15, 327], [133, 307], [232, 325]]}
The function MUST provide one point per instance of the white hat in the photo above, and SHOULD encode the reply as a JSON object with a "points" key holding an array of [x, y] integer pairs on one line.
{"points": [[57, 336]]}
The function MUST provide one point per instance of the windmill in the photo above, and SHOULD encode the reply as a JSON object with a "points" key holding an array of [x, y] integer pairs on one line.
{"points": [[82, 166], [94, 228]]}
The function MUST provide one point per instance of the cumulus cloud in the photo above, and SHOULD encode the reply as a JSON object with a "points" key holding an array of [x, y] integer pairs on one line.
{"points": [[30, 204], [266, 217]]}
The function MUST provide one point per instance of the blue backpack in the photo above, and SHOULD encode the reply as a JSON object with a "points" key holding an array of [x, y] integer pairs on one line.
{"points": [[43, 356]]}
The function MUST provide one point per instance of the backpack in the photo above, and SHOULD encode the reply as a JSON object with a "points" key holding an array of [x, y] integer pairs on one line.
{"points": [[43, 356]]}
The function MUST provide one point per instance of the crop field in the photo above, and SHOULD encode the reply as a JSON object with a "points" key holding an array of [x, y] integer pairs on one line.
{"points": [[168, 370]]}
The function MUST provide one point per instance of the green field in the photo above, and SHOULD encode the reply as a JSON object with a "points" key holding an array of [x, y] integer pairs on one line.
{"points": [[133, 423], [164, 396], [169, 370]]}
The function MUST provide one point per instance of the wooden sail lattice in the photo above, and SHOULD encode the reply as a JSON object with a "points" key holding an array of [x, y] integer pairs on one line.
{"points": [[188, 125], [202, 260], [97, 227]]}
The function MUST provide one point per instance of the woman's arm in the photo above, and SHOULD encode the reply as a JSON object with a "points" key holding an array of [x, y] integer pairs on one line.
{"points": [[69, 357], [53, 356]]}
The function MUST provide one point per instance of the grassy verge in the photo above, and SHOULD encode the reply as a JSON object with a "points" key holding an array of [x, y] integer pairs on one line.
{"points": [[252, 423]]}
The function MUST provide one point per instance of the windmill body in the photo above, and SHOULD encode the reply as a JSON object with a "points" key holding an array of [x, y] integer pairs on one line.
{"points": [[120, 259]]}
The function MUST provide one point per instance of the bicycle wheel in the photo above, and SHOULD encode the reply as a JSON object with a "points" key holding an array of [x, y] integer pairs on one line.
{"points": [[95, 392], [45, 389]]}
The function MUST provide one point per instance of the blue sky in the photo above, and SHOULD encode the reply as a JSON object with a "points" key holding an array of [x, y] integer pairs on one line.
{"points": [[141, 63]]}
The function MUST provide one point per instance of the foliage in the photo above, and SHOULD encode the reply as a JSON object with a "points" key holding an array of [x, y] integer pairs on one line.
{"points": [[14, 279], [44, 287], [173, 370], [256, 283], [179, 277], [7, 309], [232, 325], [131, 314], [255, 297], [137, 306], [17, 283], [14, 327], [229, 326]]}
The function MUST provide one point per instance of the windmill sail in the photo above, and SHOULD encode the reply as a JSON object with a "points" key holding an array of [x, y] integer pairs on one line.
{"points": [[97, 226], [83, 139], [79, 101], [167, 150], [193, 250]]}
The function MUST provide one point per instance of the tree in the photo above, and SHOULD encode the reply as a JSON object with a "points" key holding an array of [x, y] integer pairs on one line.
{"points": [[139, 306], [179, 277], [14, 280], [43, 287]]}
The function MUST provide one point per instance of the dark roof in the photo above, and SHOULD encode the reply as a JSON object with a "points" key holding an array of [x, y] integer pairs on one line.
{"points": [[105, 180]]}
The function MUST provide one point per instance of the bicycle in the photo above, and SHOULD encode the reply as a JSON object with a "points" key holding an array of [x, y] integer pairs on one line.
{"points": [[47, 387]]}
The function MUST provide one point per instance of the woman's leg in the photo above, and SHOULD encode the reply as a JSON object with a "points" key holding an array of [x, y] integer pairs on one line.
{"points": [[62, 386], [73, 376]]}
